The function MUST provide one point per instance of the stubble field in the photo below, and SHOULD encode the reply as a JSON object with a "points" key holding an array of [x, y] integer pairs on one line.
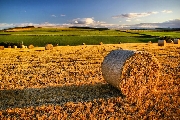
{"points": [[67, 83]]}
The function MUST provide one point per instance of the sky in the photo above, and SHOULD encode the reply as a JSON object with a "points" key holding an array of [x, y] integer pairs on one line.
{"points": [[91, 13]]}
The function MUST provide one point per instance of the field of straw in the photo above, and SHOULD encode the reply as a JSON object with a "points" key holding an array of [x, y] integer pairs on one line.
{"points": [[67, 83]]}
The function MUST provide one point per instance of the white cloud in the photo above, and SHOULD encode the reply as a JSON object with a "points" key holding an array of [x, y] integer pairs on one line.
{"points": [[90, 22], [128, 20], [83, 21], [138, 20], [166, 11], [24, 24], [62, 15], [155, 12], [53, 15], [175, 23], [134, 15], [6, 25], [47, 24]]}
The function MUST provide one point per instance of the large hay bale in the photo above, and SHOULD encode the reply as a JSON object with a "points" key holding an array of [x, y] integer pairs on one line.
{"points": [[22, 46], [31, 46], [101, 43], [161, 42], [1, 47], [48, 47], [133, 73], [149, 42], [169, 41], [176, 41], [14, 46]]}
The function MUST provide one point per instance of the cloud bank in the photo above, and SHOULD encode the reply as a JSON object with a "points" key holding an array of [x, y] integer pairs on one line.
{"points": [[63, 15], [129, 16], [134, 15], [90, 22], [167, 24], [53, 15], [83, 21], [166, 11]]}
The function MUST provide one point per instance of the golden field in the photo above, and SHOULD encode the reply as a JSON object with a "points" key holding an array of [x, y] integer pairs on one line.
{"points": [[67, 83]]}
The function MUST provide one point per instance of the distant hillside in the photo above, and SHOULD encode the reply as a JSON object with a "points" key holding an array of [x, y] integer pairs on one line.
{"points": [[18, 29], [100, 29]]}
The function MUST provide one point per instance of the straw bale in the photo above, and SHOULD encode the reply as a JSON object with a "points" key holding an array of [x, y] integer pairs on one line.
{"points": [[1, 47], [161, 42], [22, 46], [101, 43], [133, 73], [176, 41], [169, 41], [31, 46], [9, 46], [48, 47], [149, 42], [14, 46]]}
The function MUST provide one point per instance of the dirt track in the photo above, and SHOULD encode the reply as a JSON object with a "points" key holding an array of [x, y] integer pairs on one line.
{"points": [[67, 82]]}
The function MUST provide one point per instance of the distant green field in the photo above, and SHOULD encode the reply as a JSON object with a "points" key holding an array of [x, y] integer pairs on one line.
{"points": [[72, 40], [159, 34], [70, 36]]}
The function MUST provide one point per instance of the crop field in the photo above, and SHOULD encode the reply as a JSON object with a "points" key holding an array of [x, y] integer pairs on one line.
{"points": [[72, 36], [175, 34], [67, 83]]}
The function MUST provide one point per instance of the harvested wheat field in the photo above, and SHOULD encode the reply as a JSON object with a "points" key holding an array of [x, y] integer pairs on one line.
{"points": [[67, 83]]}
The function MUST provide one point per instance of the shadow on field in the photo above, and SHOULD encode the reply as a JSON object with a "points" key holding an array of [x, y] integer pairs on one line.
{"points": [[56, 95]]}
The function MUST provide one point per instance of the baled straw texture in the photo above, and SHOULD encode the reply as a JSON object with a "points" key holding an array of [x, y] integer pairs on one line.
{"points": [[48, 47], [161, 42], [134, 73]]}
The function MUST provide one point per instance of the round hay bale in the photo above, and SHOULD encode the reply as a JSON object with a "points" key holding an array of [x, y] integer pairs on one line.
{"points": [[48, 47], [23, 46], [176, 41], [169, 41], [161, 42], [101, 43], [9, 46], [149, 42], [134, 73], [31, 46], [14, 46], [56, 45], [1, 47]]}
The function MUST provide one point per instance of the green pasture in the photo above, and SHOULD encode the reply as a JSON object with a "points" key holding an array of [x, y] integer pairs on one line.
{"points": [[175, 34], [72, 40], [71, 36], [70, 32]]}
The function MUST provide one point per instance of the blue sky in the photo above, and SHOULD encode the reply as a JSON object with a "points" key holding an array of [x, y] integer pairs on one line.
{"points": [[94, 13]]}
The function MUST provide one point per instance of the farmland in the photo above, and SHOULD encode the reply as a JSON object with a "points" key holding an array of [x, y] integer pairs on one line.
{"points": [[71, 36], [67, 83]]}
